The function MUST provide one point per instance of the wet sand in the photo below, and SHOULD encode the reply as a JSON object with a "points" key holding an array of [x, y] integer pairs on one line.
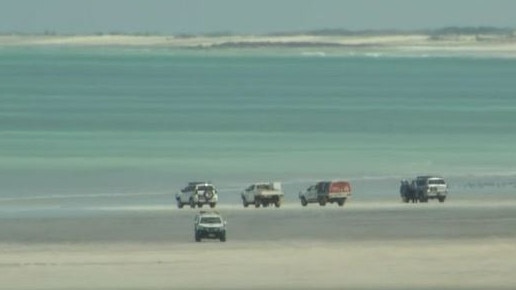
{"points": [[456, 245]]}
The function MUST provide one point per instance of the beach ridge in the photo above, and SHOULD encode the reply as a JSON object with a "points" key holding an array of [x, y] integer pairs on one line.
{"points": [[486, 43]]}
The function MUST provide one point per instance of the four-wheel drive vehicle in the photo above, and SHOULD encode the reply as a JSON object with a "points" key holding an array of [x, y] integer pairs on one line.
{"points": [[431, 187], [423, 188], [326, 191], [209, 225], [263, 194], [197, 193]]}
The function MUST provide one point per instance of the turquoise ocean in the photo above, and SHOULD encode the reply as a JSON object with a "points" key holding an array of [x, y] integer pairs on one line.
{"points": [[129, 125]]}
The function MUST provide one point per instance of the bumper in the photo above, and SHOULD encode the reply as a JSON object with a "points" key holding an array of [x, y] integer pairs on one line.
{"points": [[269, 197], [203, 200], [338, 196], [436, 194], [213, 234]]}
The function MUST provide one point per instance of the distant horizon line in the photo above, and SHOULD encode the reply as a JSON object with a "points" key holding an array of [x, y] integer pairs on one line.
{"points": [[446, 30]]}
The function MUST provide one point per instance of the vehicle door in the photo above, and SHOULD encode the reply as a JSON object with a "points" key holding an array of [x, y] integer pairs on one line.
{"points": [[322, 190], [311, 193], [249, 193], [186, 193]]}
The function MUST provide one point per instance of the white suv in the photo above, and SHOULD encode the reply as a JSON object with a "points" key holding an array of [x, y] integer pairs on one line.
{"points": [[209, 225], [197, 193], [431, 187]]}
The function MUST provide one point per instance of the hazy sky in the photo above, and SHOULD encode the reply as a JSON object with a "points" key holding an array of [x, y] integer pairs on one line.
{"points": [[248, 16]]}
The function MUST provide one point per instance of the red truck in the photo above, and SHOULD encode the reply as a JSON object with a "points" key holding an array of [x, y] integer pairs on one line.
{"points": [[326, 191]]}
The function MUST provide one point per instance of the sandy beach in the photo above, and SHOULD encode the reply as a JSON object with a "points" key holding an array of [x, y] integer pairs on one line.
{"points": [[206, 41], [457, 245], [404, 43]]}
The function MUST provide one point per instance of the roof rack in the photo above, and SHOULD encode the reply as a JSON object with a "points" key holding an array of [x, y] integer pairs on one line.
{"points": [[198, 182]]}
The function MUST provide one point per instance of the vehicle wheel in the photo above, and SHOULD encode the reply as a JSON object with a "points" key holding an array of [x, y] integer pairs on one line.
{"points": [[223, 237], [197, 237], [179, 204], [341, 201], [192, 203], [322, 202], [277, 203], [442, 198], [212, 205], [245, 203], [303, 201], [199, 205], [256, 204]]}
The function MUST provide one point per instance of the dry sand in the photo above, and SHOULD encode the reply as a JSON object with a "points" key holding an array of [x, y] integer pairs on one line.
{"points": [[461, 245], [256, 265]]}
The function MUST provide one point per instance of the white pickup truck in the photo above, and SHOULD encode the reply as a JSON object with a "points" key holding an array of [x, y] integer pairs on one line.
{"points": [[263, 194]]}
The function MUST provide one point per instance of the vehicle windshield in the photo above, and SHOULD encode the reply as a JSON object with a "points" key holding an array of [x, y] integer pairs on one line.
{"points": [[211, 220], [322, 186], [188, 188], [205, 188], [264, 187], [436, 181]]}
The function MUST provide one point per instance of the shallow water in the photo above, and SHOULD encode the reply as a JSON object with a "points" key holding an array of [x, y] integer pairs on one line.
{"points": [[94, 121]]}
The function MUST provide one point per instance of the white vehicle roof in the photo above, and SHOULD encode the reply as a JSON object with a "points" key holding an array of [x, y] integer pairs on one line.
{"points": [[271, 184], [194, 185], [209, 213], [198, 182], [429, 177]]}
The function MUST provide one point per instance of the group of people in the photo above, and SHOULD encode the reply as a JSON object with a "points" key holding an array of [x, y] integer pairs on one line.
{"points": [[408, 191]]}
